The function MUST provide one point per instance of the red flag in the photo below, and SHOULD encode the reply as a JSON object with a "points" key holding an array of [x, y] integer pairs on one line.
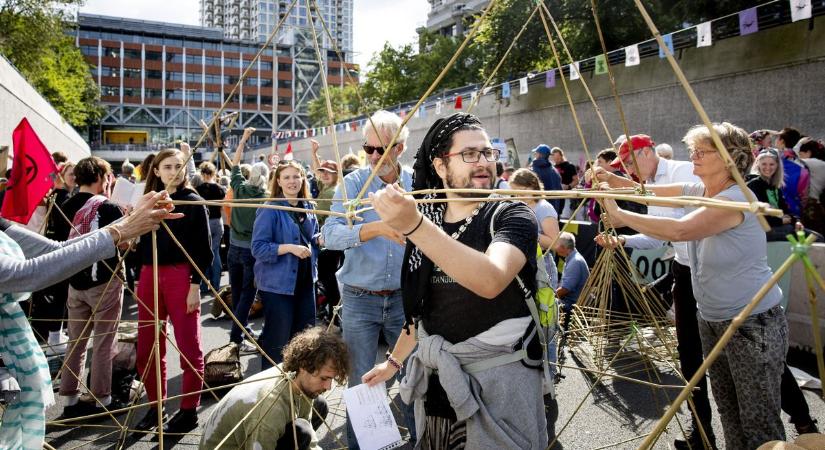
{"points": [[458, 102], [288, 154], [32, 175]]}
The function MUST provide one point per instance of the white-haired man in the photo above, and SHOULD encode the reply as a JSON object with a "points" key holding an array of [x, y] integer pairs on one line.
{"points": [[373, 252]]}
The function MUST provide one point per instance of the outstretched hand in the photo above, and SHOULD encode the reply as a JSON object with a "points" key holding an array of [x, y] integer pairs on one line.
{"points": [[396, 209], [147, 215]]}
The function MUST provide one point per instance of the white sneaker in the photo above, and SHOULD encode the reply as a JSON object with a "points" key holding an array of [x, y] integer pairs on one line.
{"points": [[56, 344], [247, 348]]}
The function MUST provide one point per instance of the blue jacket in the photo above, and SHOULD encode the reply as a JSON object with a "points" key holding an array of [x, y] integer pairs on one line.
{"points": [[549, 178], [278, 273]]}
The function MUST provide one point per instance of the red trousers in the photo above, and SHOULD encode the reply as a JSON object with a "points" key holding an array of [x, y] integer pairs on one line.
{"points": [[173, 284]]}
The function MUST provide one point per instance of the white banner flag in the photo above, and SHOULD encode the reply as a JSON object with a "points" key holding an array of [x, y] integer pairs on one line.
{"points": [[522, 86], [574, 71], [800, 9], [704, 37], [438, 107], [631, 53]]}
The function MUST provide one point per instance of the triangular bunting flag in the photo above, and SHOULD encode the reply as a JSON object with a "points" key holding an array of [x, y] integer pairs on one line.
{"points": [[505, 90], [704, 36], [288, 154], [800, 10], [550, 79], [473, 96], [601, 65], [631, 55], [522, 86], [748, 21], [574, 71], [458, 104], [438, 107], [423, 111], [668, 38]]}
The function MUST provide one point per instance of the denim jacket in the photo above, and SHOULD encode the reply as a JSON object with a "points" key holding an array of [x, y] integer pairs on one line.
{"points": [[278, 273]]}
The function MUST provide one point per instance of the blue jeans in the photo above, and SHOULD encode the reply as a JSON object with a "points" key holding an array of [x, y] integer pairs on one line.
{"points": [[285, 316], [363, 317], [242, 280], [213, 274]]}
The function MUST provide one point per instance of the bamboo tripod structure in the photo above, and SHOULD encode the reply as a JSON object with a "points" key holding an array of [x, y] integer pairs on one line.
{"points": [[588, 312]]}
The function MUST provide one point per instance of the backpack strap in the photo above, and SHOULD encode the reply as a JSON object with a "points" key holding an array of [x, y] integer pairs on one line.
{"points": [[529, 299]]}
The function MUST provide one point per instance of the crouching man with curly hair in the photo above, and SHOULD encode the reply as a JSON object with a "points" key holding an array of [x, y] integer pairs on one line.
{"points": [[264, 414]]}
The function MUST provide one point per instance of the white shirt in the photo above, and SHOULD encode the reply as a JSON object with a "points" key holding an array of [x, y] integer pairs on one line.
{"points": [[817, 169], [667, 172]]}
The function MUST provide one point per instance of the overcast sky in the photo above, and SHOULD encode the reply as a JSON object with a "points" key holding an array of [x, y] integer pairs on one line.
{"points": [[376, 21]]}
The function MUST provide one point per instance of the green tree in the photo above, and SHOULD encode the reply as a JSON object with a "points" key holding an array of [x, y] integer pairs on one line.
{"points": [[345, 105], [392, 76], [34, 39]]}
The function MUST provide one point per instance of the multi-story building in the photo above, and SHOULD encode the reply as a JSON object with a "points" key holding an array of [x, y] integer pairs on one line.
{"points": [[452, 17], [256, 19], [159, 80]]}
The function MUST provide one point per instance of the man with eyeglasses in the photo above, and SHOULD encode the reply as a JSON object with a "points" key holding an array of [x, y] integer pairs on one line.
{"points": [[469, 273], [373, 252]]}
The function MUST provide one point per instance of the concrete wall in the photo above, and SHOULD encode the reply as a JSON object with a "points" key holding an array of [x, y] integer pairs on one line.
{"points": [[18, 99], [770, 79]]}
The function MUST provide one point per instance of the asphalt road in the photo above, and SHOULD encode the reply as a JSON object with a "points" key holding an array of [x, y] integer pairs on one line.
{"points": [[610, 414]]}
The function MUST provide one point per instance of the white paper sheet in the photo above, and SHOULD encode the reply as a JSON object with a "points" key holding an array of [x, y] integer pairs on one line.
{"points": [[371, 417]]}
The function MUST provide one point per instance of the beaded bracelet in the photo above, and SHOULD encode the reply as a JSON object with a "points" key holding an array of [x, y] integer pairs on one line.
{"points": [[394, 362]]}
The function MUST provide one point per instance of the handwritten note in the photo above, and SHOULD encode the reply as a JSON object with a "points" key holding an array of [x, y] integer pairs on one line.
{"points": [[371, 417]]}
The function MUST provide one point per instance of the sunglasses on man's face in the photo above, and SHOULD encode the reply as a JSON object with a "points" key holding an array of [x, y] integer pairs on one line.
{"points": [[371, 149]]}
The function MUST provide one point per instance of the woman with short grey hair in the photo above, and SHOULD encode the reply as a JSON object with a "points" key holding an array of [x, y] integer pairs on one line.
{"points": [[728, 262]]}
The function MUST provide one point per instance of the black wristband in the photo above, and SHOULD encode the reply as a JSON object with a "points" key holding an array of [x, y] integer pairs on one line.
{"points": [[416, 227]]}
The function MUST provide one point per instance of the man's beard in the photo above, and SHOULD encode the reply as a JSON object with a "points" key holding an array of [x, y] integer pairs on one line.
{"points": [[387, 168], [467, 183]]}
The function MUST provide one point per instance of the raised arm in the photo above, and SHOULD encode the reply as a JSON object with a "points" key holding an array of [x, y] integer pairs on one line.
{"points": [[247, 132], [315, 163], [486, 274]]}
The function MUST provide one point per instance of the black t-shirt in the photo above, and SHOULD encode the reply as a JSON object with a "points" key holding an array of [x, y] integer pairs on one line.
{"points": [[458, 314], [212, 191], [567, 171], [107, 213]]}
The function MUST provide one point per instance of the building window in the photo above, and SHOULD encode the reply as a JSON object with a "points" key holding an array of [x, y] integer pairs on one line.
{"points": [[106, 71], [131, 73], [153, 55], [266, 100], [266, 65], [89, 50], [214, 97], [283, 101], [231, 62], [265, 82], [250, 99], [194, 60], [174, 94], [251, 81], [213, 61], [284, 67], [213, 79], [154, 74], [152, 93], [133, 54], [131, 92], [112, 52], [174, 76], [109, 91]]}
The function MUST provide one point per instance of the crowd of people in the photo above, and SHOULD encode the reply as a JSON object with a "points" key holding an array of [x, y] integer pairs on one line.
{"points": [[448, 283]]}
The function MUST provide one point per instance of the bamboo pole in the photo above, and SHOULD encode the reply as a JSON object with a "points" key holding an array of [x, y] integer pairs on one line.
{"points": [[701, 111], [717, 349], [757, 208], [429, 91], [328, 104], [486, 83], [251, 205], [155, 295]]}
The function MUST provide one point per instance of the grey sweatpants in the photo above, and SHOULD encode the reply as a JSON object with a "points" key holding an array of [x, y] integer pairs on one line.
{"points": [[745, 379]]}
